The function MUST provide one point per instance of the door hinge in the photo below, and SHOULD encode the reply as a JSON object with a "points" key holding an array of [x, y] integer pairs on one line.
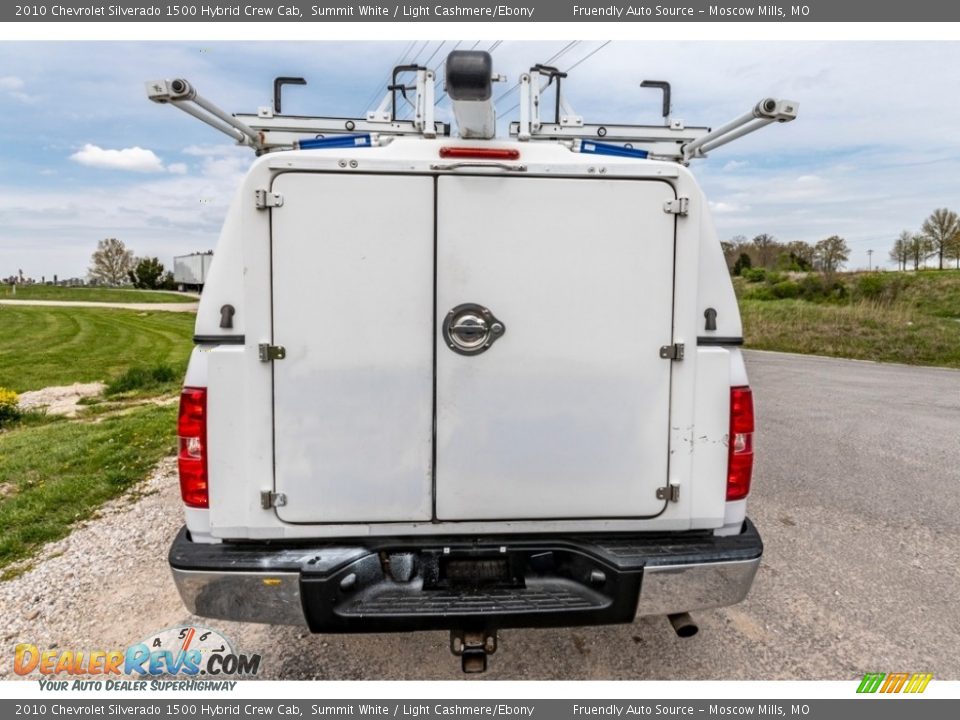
{"points": [[270, 499], [670, 493], [680, 206], [270, 352], [672, 352], [267, 199]]}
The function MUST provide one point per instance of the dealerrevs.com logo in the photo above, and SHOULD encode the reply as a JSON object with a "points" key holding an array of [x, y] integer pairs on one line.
{"points": [[895, 682], [180, 652]]}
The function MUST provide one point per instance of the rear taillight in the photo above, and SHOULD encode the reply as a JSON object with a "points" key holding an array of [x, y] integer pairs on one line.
{"points": [[740, 457], [192, 447]]}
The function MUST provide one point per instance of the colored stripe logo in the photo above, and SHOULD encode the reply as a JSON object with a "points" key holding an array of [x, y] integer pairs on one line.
{"points": [[895, 682]]}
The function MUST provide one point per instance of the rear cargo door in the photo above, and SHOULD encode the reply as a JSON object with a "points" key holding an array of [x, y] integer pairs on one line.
{"points": [[353, 306], [566, 413]]}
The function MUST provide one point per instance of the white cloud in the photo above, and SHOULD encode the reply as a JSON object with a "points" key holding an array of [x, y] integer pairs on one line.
{"points": [[726, 207], [12, 86], [808, 179], [735, 165], [136, 159], [205, 150], [177, 168]]}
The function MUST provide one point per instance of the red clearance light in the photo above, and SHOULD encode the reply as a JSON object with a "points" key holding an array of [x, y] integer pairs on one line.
{"points": [[192, 447], [740, 454], [480, 153]]}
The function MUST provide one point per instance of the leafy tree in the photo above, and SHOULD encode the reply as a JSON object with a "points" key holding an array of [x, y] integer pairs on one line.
{"points": [[900, 252], [167, 282], [940, 229], [148, 274], [803, 253], [831, 254], [111, 262], [742, 263]]}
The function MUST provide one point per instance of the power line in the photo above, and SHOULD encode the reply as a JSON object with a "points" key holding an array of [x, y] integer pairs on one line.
{"points": [[435, 51], [381, 88], [556, 56], [413, 60], [407, 110], [587, 57], [578, 62], [444, 94]]}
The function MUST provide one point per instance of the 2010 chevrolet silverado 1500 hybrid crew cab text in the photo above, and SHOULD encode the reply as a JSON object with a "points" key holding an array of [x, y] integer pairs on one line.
{"points": [[448, 381]]}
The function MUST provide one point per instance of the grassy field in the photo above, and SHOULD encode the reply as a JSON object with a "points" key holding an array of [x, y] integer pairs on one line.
{"points": [[54, 475], [55, 471], [85, 294], [911, 318], [42, 346], [862, 331]]}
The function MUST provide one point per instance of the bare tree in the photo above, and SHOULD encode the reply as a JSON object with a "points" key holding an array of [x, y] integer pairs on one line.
{"points": [[900, 252], [111, 262], [831, 254], [952, 250], [941, 228], [920, 248], [766, 247], [732, 248]]}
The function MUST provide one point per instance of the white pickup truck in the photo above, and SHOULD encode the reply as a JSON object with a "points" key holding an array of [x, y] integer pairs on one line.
{"points": [[465, 383]]}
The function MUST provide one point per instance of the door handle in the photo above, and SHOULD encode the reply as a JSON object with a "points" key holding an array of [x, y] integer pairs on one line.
{"points": [[470, 329], [492, 165]]}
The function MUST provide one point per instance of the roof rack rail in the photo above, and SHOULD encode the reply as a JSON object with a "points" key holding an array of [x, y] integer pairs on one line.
{"points": [[671, 141], [269, 130]]}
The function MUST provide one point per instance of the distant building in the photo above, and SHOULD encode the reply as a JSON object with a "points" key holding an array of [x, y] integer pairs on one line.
{"points": [[190, 271]]}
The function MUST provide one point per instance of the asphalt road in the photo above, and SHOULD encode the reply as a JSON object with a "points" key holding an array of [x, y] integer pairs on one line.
{"points": [[857, 495]]}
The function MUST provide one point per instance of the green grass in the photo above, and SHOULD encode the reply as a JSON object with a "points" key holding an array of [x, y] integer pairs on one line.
{"points": [[55, 475], [89, 294], [935, 293], [144, 381], [904, 317], [863, 330], [43, 346]]}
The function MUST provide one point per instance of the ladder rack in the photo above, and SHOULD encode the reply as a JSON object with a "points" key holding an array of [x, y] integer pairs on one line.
{"points": [[269, 130], [670, 141]]}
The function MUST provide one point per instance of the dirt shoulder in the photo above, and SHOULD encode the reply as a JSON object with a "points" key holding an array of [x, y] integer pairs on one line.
{"points": [[143, 307]]}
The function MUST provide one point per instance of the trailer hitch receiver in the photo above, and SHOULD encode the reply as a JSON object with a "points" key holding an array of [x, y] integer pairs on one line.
{"points": [[473, 647]]}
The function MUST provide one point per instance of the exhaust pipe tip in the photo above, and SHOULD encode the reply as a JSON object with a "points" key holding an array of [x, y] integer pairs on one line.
{"points": [[683, 625]]}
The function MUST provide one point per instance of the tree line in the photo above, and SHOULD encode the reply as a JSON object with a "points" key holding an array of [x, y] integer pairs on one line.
{"points": [[939, 237], [765, 251], [112, 263]]}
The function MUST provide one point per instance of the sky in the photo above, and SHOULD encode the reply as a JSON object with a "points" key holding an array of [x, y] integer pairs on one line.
{"points": [[84, 155]]}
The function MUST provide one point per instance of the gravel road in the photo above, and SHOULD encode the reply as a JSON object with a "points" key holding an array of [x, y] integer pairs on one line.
{"points": [[141, 307], [857, 495]]}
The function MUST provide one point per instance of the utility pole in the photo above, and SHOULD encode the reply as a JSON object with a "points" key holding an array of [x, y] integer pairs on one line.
{"points": [[869, 260]]}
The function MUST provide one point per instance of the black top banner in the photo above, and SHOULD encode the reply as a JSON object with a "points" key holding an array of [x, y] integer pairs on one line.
{"points": [[480, 11]]}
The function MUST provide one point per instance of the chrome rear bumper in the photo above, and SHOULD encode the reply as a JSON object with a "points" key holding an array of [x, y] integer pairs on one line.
{"points": [[549, 581]]}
